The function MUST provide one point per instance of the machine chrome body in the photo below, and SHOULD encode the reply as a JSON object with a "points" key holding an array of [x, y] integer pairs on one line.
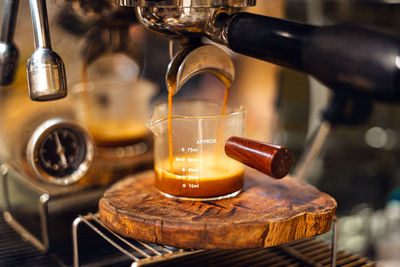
{"points": [[187, 3], [181, 19], [8, 50]]}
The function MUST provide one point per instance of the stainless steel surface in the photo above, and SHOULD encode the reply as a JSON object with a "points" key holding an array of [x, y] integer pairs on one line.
{"points": [[10, 11], [309, 157], [8, 50], [187, 18], [184, 22], [40, 133], [75, 225], [8, 63], [335, 233], [43, 244], [191, 61], [171, 49], [45, 68], [40, 24], [139, 252], [48, 200], [189, 3]]}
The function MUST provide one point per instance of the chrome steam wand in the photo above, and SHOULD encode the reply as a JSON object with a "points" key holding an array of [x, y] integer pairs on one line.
{"points": [[45, 69], [8, 50]]}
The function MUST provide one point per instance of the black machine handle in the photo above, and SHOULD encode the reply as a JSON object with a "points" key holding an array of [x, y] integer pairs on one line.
{"points": [[348, 58]]}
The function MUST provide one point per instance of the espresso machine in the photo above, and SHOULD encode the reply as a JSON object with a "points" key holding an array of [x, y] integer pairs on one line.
{"points": [[340, 56], [353, 61]]}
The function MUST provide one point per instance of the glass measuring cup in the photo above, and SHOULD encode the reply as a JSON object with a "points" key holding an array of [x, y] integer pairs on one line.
{"points": [[115, 111], [198, 168]]}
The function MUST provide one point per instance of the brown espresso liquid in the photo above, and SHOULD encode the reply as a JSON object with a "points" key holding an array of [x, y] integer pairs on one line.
{"points": [[217, 177], [108, 132], [214, 179]]}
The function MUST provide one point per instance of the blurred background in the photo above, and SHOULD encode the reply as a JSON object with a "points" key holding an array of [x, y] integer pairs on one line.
{"points": [[359, 161]]}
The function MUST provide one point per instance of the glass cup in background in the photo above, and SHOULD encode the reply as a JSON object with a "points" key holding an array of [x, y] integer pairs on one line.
{"points": [[198, 168], [115, 111]]}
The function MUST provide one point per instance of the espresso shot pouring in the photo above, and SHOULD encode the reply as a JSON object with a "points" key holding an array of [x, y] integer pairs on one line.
{"points": [[204, 179], [190, 135], [192, 60]]}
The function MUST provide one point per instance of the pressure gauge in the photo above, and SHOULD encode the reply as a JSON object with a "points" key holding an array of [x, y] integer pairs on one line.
{"points": [[60, 151]]}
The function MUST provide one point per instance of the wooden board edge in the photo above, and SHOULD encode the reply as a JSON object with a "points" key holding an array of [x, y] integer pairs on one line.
{"points": [[216, 236]]}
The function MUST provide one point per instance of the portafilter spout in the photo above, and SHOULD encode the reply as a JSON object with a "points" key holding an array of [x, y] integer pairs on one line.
{"points": [[45, 68], [199, 58], [8, 50]]}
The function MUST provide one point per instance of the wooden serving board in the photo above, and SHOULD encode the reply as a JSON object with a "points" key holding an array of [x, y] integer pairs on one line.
{"points": [[267, 213]]}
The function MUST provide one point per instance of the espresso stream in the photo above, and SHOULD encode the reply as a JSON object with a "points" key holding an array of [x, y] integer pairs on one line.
{"points": [[216, 177]]}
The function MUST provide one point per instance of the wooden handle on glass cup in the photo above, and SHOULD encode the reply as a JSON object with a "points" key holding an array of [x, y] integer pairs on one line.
{"points": [[272, 160]]}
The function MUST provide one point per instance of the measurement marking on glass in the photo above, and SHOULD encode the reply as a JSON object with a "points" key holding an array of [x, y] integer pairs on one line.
{"points": [[206, 141]]}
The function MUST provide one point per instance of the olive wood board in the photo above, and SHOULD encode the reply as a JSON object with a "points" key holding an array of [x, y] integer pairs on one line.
{"points": [[268, 212]]}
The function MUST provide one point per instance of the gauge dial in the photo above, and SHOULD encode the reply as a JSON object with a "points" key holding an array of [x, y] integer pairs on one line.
{"points": [[60, 151]]}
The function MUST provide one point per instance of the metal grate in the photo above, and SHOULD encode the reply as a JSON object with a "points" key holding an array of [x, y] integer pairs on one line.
{"points": [[302, 253], [15, 251], [139, 252], [309, 252], [95, 251]]}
